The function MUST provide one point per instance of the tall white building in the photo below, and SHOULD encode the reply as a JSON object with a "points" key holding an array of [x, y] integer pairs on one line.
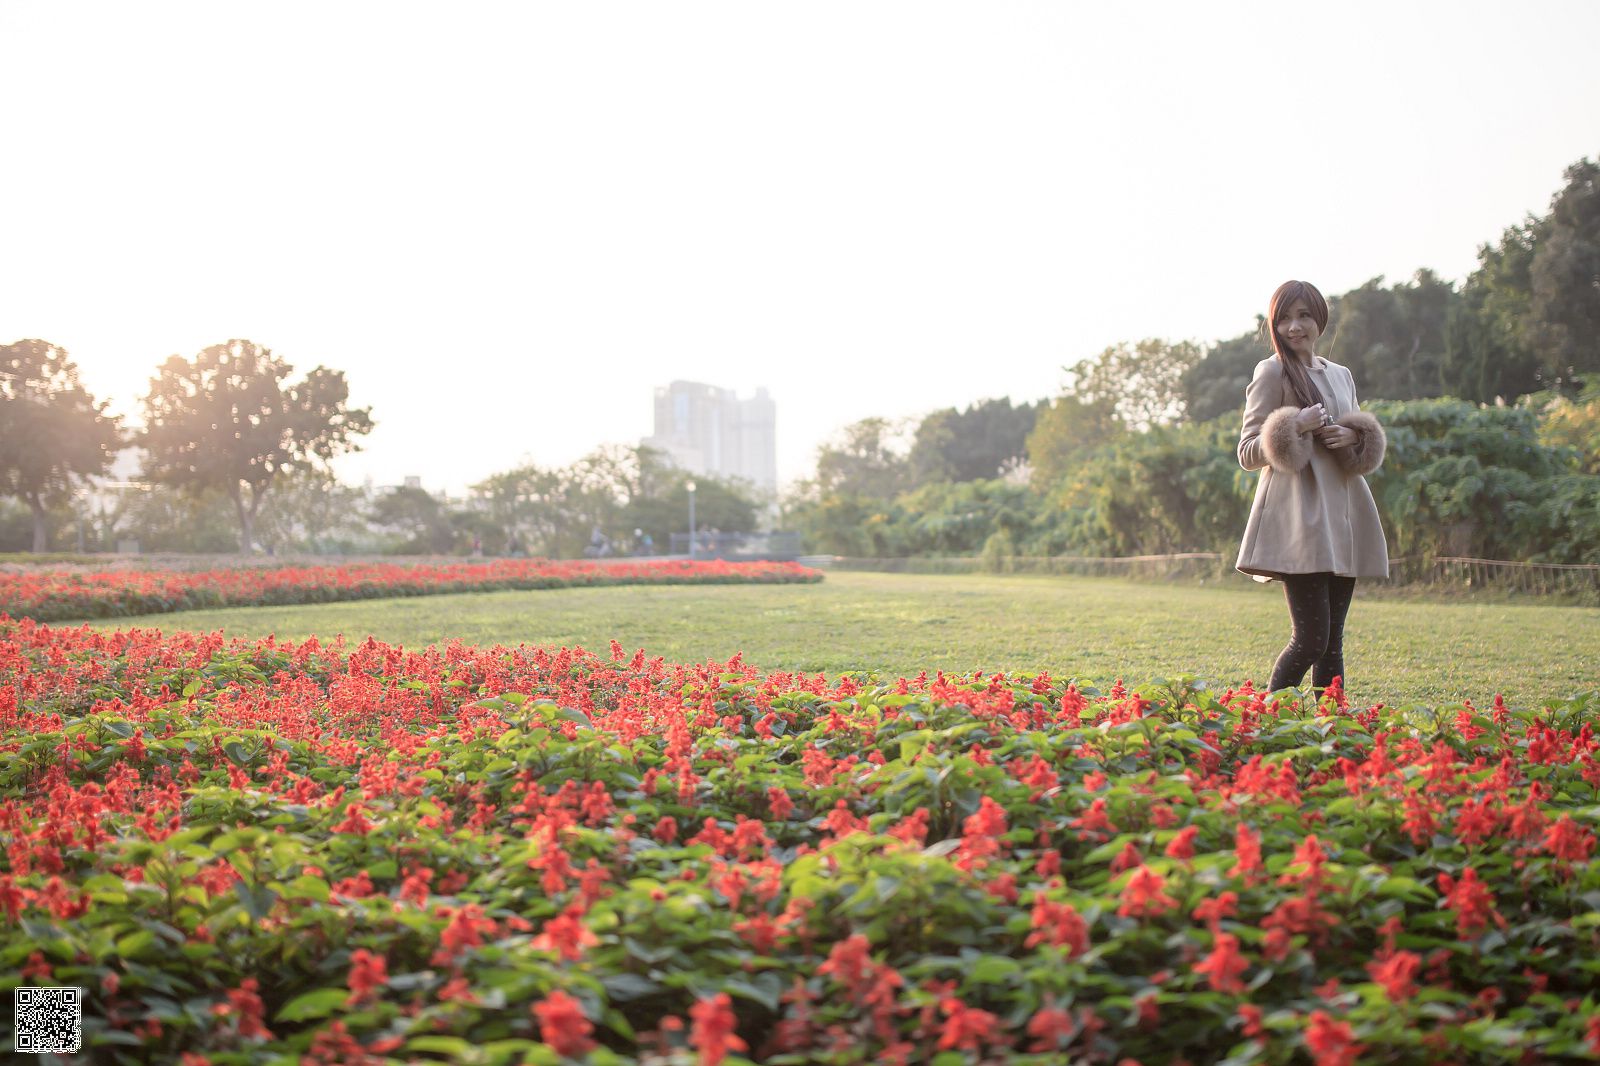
{"points": [[707, 430]]}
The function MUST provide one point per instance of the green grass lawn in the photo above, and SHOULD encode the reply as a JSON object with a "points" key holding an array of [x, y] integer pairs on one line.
{"points": [[894, 624]]}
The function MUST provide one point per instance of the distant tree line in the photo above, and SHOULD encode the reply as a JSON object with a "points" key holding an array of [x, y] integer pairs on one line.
{"points": [[235, 457], [1491, 392]]}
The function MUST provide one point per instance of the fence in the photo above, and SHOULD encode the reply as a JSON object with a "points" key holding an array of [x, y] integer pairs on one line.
{"points": [[1581, 579], [1180, 565], [1446, 572], [735, 546]]}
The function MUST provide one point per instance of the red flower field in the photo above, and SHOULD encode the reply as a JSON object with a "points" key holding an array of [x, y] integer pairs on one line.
{"points": [[56, 595], [261, 851]]}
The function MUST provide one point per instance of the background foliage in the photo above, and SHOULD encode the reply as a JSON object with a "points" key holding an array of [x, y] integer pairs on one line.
{"points": [[1490, 392]]}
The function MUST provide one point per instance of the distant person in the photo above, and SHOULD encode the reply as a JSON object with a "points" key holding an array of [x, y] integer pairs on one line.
{"points": [[1313, 524], [647, 545]]}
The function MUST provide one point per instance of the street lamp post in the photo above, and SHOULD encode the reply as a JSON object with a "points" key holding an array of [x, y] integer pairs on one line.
{"points": [[690, 487]]}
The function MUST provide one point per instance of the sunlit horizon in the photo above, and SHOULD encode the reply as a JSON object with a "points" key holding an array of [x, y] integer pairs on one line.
{"points": [[509, 225]]}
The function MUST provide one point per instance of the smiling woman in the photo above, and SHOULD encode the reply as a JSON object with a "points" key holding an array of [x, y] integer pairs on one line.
{"points": [[1313, 523]]}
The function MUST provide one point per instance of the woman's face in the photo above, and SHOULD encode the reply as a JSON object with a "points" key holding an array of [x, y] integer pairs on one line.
{"points": [[1298, 329]]}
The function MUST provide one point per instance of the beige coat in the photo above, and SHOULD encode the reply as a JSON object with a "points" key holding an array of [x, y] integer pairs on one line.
{"points": [[1313, 510]]}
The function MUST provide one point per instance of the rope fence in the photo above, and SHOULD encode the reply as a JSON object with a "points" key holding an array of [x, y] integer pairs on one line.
{"points": [[1451, 572]]}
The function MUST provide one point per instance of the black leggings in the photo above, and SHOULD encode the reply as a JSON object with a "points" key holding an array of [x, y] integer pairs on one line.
{"points": [[1317, 606]]}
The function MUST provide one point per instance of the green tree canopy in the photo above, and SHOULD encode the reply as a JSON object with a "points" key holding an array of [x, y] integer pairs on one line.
{"points": [[51, 429], [1564, 307], [1215, 385], [1392, 337], [1142, 382], [1489, 354], [1067, 430], [228, 420], [417, 518], [553, 512], [863, 461], [971, 445]]}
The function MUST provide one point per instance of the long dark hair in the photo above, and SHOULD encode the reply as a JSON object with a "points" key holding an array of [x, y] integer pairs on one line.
{"points": [[1293, 368]]}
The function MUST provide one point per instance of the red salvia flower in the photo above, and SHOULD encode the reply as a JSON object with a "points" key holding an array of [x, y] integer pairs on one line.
{"points": [[1472, 901], [1126, 859], [1397, 974], [1181, 847], [566, 935], [1331, 1043], [1143, 897], [1051, 1028], [368, 973], [850, 963], [1224, 965], [1247, 846], [712, 1033], [989, 820], [1568, 841], [1213, 910], [563, 1025], [966, 1027], [1058, 924]]}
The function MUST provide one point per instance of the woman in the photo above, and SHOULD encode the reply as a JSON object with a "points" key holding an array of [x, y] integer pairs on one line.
{"points": [[1313, 524]]}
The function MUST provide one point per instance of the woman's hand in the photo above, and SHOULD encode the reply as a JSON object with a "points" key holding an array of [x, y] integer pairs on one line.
{"points": [[1309, 418], [1337, 436]]}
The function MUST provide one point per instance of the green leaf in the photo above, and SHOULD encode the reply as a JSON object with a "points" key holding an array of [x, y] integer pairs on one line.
{"points": [[453, 1046], [258, 899], [317, 1004], [135, 943], [307, 887], [625, 987], [1405, 888], [993, 969], [913, 743], [764, 990]]}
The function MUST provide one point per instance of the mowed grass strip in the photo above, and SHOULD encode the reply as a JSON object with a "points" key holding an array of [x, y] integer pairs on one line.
{"points": [[1396, 651]]}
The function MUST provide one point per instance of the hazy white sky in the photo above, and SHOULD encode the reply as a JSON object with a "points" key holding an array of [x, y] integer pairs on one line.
{"points": [[507, 223]]}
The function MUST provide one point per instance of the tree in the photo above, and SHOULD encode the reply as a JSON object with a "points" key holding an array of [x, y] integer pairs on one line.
{"points": [[229, 421], [614, 489], [417, 516], [862, 461], [1564, 309], [1142, 382], [164, 520], [1392, 337], [1215, 385], [309, 511], [51, 429], [1065, 431], [970, 445], [1487, 351], [1529, 317]]}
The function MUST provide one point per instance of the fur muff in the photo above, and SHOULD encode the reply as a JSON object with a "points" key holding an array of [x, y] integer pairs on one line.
{"points": [[1366, 454], [1287, 449]]}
